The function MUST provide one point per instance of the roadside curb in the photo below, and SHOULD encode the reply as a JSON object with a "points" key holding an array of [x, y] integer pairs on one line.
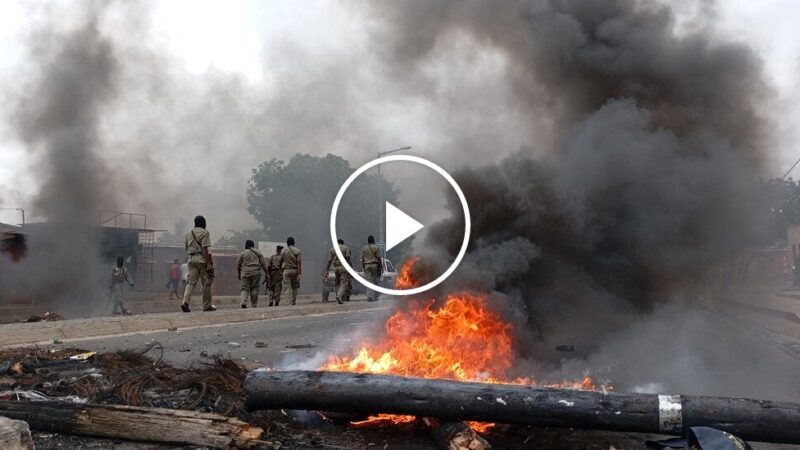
{"points": [[788, 295], [17, 334], [787, 315]]}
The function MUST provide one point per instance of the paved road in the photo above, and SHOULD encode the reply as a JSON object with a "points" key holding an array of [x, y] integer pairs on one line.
{"points": [[304, 342], [730, 351], [287, 340]]}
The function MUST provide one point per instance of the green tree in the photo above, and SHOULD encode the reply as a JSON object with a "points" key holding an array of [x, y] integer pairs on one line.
{"points": [[236, 238], [783, 203], [294, 198]]}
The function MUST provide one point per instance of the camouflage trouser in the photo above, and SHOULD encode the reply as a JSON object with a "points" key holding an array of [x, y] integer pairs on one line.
{"points": [[249, 288], [373, 275], [198, 272], [291, 284], [116, 298], [275, 287], [343, 284]]}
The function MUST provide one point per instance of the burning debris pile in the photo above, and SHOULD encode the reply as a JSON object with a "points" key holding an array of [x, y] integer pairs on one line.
{"points": [[457, 338], [449, 363]]}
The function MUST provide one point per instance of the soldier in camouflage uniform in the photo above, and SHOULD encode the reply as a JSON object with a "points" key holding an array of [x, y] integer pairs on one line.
{"points": [[373, 266], [119, 275], [275, 277], [248, 268], [201, 265], [343, 282], [292, 266]]}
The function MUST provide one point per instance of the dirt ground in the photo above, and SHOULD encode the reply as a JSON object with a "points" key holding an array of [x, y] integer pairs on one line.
{"points": [[335, 437], [214, 385]]}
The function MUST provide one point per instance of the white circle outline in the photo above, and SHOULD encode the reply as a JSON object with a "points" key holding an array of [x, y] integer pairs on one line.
{"points": [[464, 206]]}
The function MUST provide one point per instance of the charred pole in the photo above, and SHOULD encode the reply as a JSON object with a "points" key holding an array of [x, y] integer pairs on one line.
{"points": [[757, 420]]}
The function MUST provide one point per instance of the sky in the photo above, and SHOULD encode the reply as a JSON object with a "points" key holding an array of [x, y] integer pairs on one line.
{"points": [[254, 43]]}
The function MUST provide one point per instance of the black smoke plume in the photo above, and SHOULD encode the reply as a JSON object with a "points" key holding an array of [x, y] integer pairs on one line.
{"points": [[59, 119], [643, 147]]}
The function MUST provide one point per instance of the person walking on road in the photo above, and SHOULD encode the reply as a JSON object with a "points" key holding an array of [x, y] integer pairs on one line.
{"points": [[248, 269], [373, 266], [275, 277], [292, 266], [342, 276], [119, 275], [184, 275], [174, 279], [201, 265]]}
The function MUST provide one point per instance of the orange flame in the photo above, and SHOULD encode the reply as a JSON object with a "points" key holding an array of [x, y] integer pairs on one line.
{"points": [[405, 279], [394, 419], [460, 339]]}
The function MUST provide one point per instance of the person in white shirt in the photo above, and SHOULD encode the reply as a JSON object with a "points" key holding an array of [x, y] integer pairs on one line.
{"points": [[184, 275]]}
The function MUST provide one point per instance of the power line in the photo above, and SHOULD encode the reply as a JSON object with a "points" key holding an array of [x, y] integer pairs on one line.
{"points": [[791, 168]]}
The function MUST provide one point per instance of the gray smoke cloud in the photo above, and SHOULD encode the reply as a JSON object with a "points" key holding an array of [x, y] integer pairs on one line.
{"points": [[73, 77], [113, 121]]}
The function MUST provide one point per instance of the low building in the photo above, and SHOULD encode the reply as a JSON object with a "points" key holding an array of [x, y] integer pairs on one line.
{"points": [[225, 280]]}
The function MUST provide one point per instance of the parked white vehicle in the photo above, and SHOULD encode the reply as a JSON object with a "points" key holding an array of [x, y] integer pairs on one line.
{"points": [[387, 280]]}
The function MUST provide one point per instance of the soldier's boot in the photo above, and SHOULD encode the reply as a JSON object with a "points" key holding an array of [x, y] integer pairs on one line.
{"points": [[187, 296]]}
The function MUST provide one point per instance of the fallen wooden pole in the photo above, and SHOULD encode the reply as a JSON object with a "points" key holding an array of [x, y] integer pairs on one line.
{"points": [[135, 423], [757, 420]]}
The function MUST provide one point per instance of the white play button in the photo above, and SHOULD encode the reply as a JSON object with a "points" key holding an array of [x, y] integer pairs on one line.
{"points": [[399, 226]]}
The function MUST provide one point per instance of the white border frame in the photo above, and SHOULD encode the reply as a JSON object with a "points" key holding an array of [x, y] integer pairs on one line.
{"points": [[461, 198]]}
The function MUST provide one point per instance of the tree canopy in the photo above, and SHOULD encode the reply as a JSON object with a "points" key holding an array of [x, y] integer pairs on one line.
{"points": [[783, 206], [294, 198]]}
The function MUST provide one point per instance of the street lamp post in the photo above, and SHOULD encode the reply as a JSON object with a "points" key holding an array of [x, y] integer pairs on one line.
{"points": [[381, 238]]}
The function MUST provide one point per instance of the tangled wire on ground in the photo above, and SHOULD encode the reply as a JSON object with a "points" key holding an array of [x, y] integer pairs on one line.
{"points": [[130, 377]]}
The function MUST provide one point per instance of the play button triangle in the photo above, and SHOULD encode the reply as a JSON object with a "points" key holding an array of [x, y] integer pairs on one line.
{"points": [[399, 226]]}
